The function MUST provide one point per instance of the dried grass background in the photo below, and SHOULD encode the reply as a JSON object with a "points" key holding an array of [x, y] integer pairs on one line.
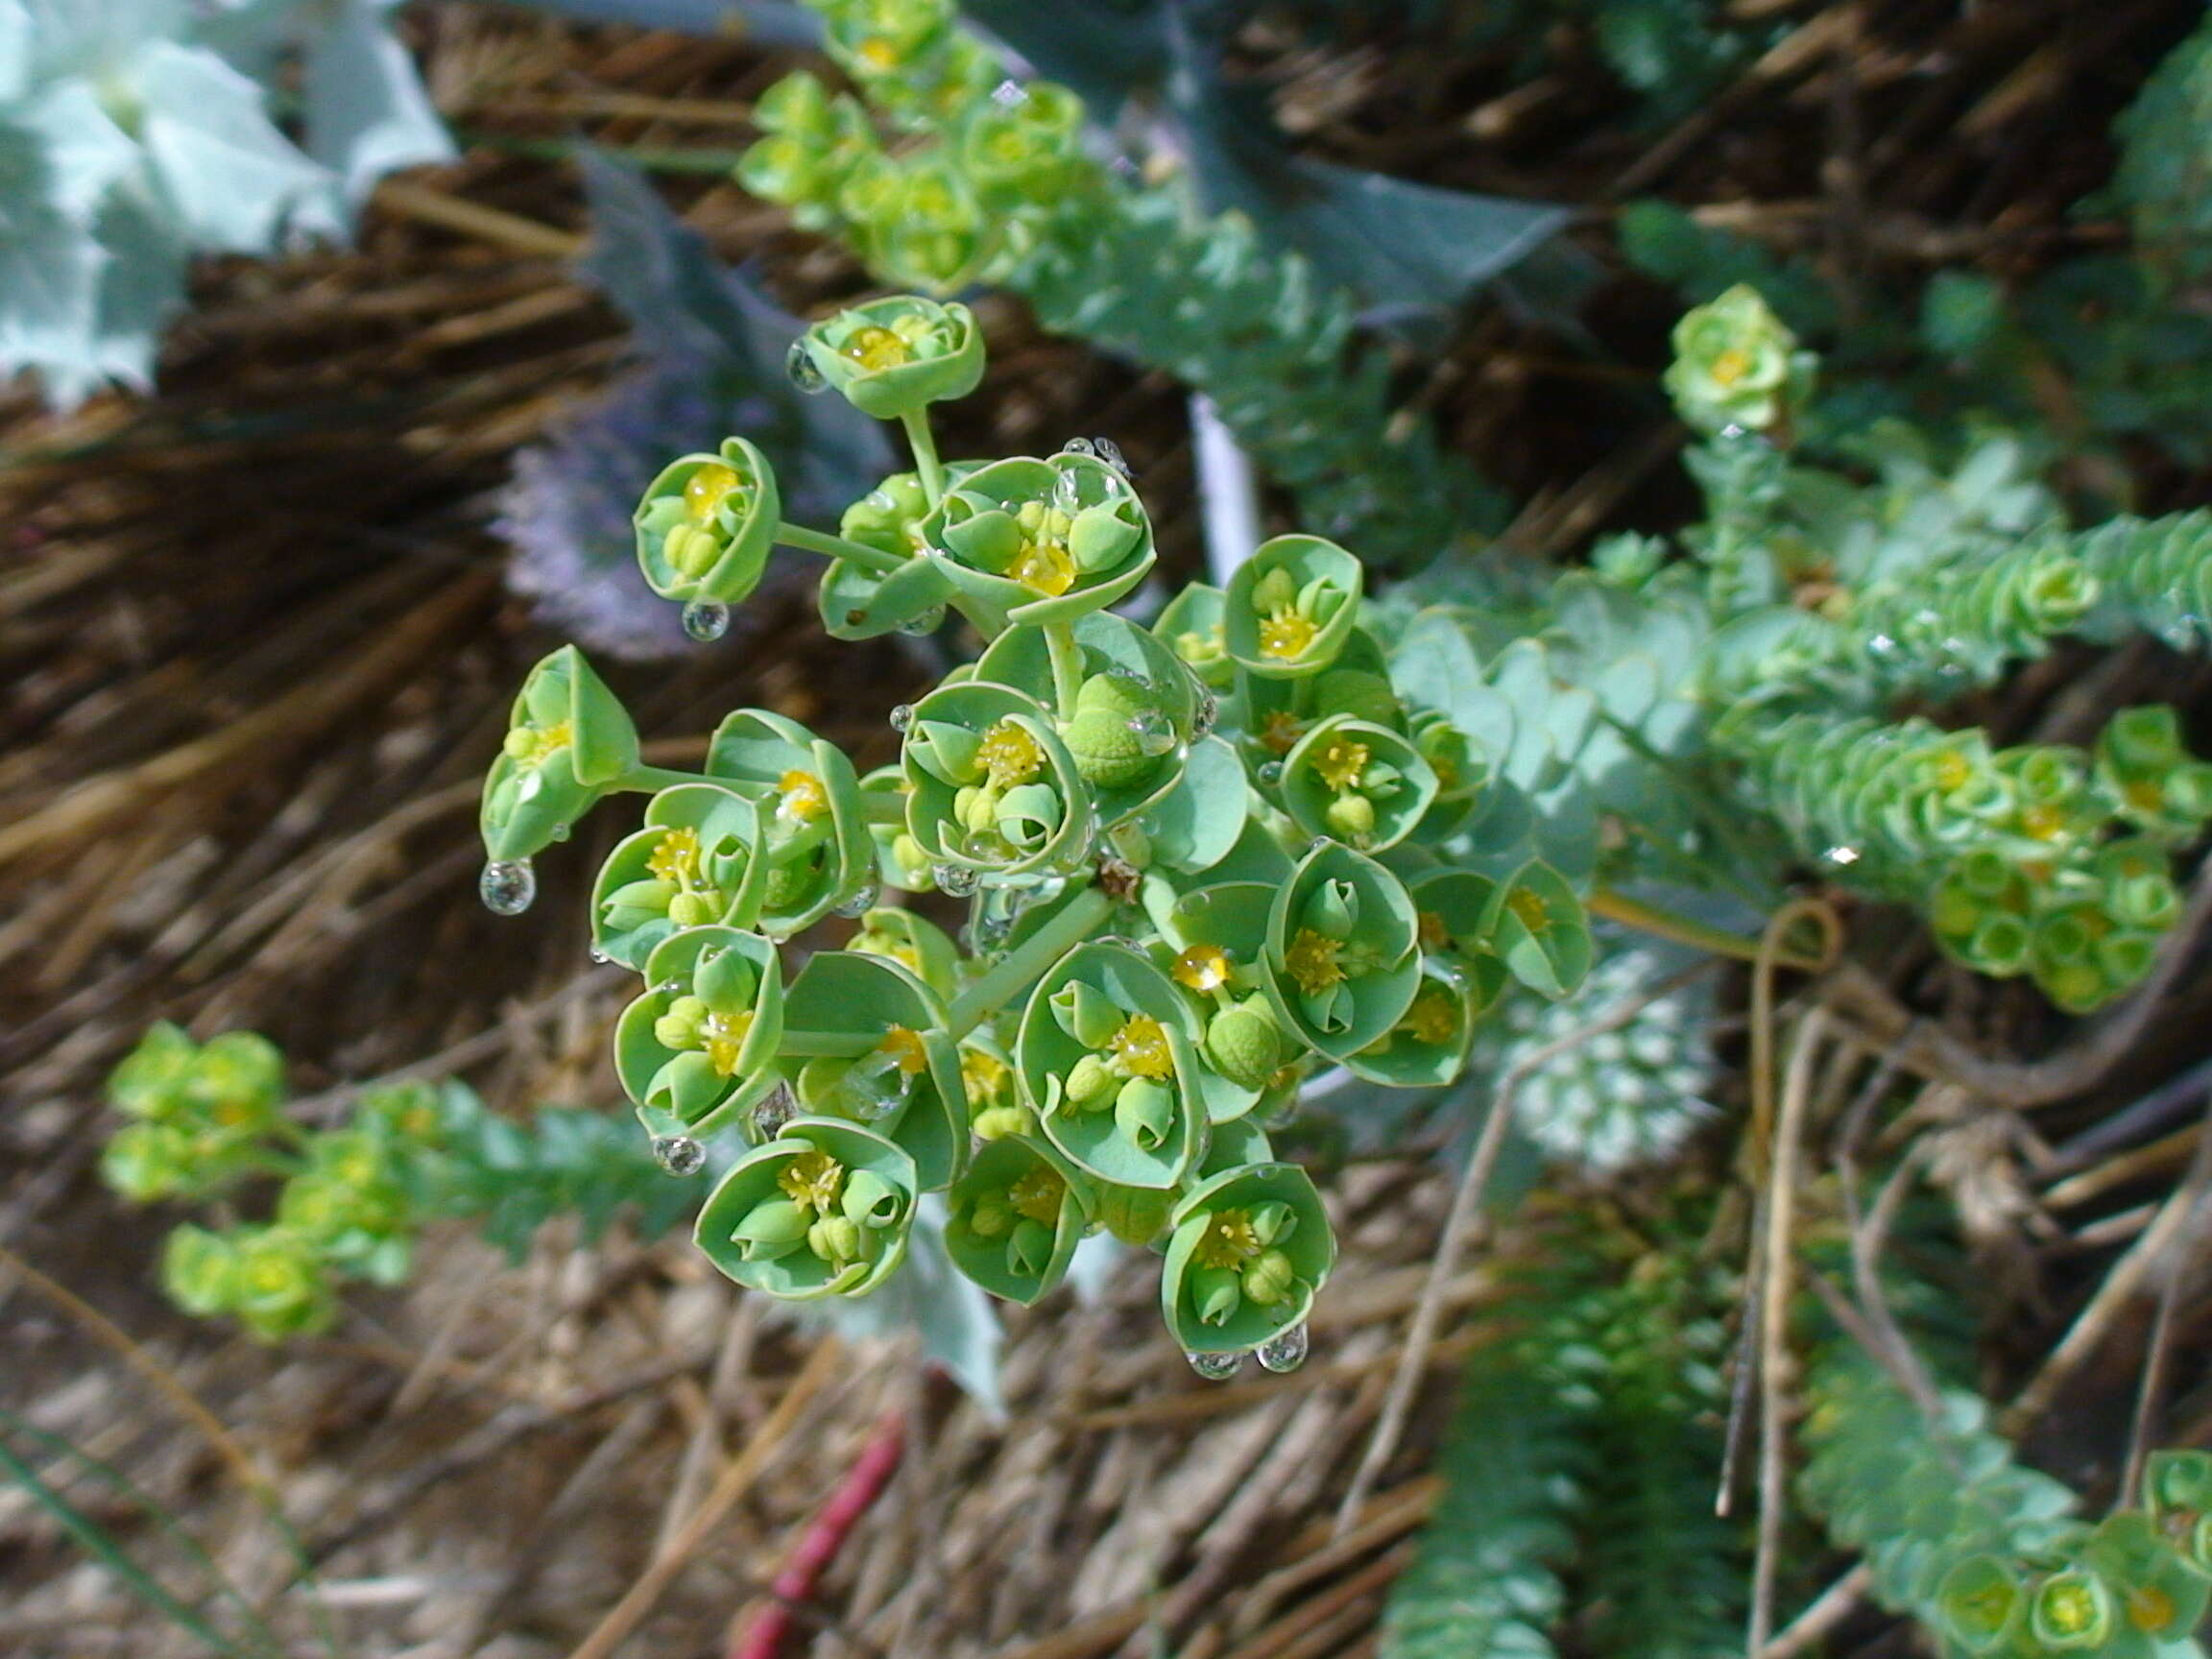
{"points": [[254, 654]]}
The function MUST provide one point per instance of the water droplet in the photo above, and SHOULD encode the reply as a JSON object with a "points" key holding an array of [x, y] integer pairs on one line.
{"points": [[508, 887], [1732, 430], [705, 621], [1270, 772], [1203, 714], [1067, 491], [668, 987], [773, 1113], [901, 718], [1286, 1349], [1078, 446], [679, 1154], [927, 622], [1881, 645], [1110, 452], [600, 956], [1154, 731], [957, 879], [1215, 1368], [863, 900], [1009, 94], [1841, 856], [805, 374], [560, 832]]}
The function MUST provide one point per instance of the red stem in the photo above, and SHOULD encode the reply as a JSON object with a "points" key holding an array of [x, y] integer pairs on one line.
{"points": [[825, 1535]]}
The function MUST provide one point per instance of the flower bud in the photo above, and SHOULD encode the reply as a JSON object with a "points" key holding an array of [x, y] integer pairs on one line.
{"points": [[989, 1215], [679, 1026]]}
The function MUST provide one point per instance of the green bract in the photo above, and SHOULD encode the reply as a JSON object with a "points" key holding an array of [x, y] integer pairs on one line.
{"points": [[813, 826], [1025, 541], [892, 358], [697, 1049], [1537, 929], [696, 861], [915, 943], [1361, 783], [1250, 1248], [1108, 1054], [993, 787], [707, 523], [1291, 608], [865, 1040], [1341, 959], [1736, 365], [1016, 1217], [568, 740], [823, 1210]]}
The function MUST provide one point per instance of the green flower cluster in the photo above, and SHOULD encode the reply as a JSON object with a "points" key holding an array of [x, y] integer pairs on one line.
{"points": [[1203, 859], [201, 1115], [1737, 366], [1987, 1554]]}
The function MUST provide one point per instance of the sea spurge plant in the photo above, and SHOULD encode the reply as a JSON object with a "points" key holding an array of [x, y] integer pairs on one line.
{"points": [[1736, 366], [823, 1210], [200, 1113], [707, 523], [892, 358]]}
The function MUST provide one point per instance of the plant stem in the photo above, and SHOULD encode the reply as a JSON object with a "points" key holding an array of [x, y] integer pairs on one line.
{"points": [[884, 806], [651, 779], [1027, 962], [1684, 930], [925, 463], [1066, 665], [873, 559]]}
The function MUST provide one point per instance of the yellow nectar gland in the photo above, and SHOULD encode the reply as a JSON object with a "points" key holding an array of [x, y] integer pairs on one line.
{"points": [[675, 857], [707, 488], [805, 797], [813, 1178], [905, 1046], [1342, 763], [1313, 962], [535, 745], [723, 1036], [1010, 755], [1202, 968], [873, 348], [1434, 1017], [1228, 1241], [1141, 1045], [1286, 634], [1036, 1196], [1529, 911], [1731, 366], [1044, 567]]}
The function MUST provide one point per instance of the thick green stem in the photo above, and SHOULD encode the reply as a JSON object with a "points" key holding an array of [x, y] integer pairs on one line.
{"points": [[872, 559], [925, 463], [1027, 962], [1066, 665]]}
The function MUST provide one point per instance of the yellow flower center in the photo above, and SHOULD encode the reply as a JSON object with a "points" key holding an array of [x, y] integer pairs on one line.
{"points": [[1286, 634], [905, 1046], [1010, 755], [1434, 1017], [2150, 1608], [2145, 796], [880, 56], [535, 745], [1731, 366], [805, 797], [873, 348], [1281, 731], [676, 856], [813, 1178], [1045, 567], [723, 1036], [1037, 1195], [1529, 910], [983, 1073], [1142, 1047], [1228, 1241], [1311, 961], [1434, 935], [1342, 763], [707, 488], [2071, 1609], [2042, 821], [1953, 770], [1202, 968]]}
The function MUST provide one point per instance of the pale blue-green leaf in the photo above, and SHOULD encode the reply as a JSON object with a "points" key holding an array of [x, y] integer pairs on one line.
{"points": [[142, 286], [1434, 661], [1198, 821], [367, 112], [15, 51], [234, 180], [50, 273], [85, 151]]}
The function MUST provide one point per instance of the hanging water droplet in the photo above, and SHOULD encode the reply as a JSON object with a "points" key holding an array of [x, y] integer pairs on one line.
{"points": [[705, 621], [805, 374], [863, 900], [1215, 1368], [679, 1154], [1154, 731], [1286, 1349], [1270, 772], [560, 832], [901, 718], [1110, 452], [1204, 712], [957, 879], [927, 622], [508, 886]]}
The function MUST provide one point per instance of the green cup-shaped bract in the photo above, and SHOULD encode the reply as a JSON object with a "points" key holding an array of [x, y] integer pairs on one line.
{"points": [[894, 357], [2073, 1611], [1251, 1247], [269, 1278], [1016, 1217], [234, 1082], [900, 859], [812, 141], [1736, 364], [823, 1210], [147, 1161], [906, 1087], [813, 824], [569, 738], [1462, 768], [2178, 1483], [1290, 607], [699, 1048], [1030, 540], [1359, 782], [1023, 149], [1340, 961], [1982, 1604], [992, 786], [1538, 929], [707, 523], [862, 604], [915, 943], [2162, 1593], [1108, 1055], [1429, 1046], [695, 863]]}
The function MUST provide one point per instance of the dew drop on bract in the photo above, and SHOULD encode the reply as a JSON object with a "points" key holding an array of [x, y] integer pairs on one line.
{"points": [[927, 622], [1154, 731], [508, 886], [560, 832], [1204, 712], [1270, 772], [1215, 1368], [902, 716], [957, 879], [600, 956], [861, 901], [679, 1154], [1286, 1349], [705, 621], [805, 374], [773, 1113], [1078, 446], [1009, 94]]}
